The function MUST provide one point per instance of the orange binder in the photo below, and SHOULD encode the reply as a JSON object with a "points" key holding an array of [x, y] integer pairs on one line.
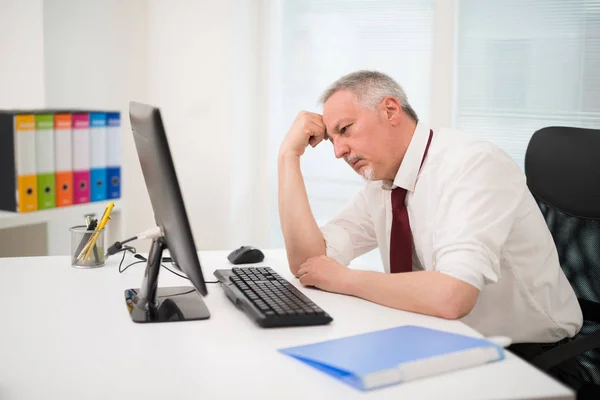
{"points": [[26, 170], [63, 159]]}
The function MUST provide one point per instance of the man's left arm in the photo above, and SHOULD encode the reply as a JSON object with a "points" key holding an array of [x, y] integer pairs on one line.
{"points": [[424, 292], [475, 216]]}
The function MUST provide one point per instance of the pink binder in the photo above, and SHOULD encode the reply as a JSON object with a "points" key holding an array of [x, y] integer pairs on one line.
{"points": [[81, 158]]}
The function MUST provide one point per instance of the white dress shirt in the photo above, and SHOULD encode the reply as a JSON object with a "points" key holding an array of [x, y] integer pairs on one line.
{"points": [[471, 217]]}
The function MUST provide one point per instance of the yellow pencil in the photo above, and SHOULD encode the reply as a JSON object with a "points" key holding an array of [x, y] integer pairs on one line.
{"points": [[101, 225], [94, 237]]}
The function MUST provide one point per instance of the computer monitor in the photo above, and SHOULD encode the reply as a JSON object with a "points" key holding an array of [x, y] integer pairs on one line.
{"points": [[152, 304]]}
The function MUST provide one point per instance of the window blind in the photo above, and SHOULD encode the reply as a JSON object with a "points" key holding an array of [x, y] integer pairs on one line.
{"points": [[526, 64]]}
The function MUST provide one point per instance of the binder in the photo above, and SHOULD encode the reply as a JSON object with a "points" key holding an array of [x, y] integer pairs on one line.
{"points": [[113, 155], [98, 156], [44, 156], [26, 168], [391, 356], [81, 157], [18, 174], [63, 159]]}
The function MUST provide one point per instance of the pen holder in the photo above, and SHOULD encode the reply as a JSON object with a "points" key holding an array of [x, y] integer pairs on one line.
{"points": [[87, 247]]}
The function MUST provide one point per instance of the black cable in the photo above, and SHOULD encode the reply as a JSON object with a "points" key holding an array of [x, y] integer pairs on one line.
{"points": [[118, 246], [178, 294], [170, 270], [125, 250], [173, 264], [143, 260]]}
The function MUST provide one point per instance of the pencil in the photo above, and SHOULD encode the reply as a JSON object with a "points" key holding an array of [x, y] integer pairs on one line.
{"points": [[101, 225]]}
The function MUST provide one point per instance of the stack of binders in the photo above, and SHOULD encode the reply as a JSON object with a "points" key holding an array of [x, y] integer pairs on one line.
{"points": [[56, 158]]}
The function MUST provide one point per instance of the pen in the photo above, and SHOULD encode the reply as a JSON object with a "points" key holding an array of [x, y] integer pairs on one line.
{"points": [[88, 236], [90, 226], [101, 225]]}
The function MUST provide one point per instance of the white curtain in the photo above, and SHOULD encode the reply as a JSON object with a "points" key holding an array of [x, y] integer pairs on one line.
{"points": [[526, 64]]}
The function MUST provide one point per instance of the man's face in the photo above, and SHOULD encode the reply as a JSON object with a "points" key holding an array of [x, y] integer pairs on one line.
{"points": [[359, 135]]}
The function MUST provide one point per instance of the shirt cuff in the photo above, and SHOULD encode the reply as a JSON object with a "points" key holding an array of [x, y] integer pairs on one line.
{"points": [[471, 265], [338, 243]]}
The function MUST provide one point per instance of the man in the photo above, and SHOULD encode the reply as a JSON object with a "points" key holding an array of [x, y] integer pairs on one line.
{"points": [[459, 233]]}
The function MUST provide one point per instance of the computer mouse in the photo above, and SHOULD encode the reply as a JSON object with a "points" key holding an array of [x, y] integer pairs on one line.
{"points": [[246, 255]]}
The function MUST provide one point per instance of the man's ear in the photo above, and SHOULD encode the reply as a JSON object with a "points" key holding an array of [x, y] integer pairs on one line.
{"points": [[393, 109]]}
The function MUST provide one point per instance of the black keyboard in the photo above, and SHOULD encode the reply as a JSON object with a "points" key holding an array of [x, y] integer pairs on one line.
{"points": [[268, 299]]}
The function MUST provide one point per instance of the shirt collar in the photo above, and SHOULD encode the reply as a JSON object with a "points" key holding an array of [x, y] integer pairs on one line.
{"points": [[406, 177]]}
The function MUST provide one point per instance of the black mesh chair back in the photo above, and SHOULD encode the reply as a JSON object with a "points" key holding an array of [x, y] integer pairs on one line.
{"points": [[562, 166]]}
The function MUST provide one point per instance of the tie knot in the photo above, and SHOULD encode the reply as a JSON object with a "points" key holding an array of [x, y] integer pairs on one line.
{"points": [[398, 198]]}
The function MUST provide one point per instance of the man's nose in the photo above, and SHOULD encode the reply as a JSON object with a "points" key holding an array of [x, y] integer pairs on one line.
{"points": [[341, 149]]}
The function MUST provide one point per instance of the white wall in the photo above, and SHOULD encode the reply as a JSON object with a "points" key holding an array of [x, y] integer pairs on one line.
{"points": [[22, 49], [95, 53], [248, 219], [202, 69]]}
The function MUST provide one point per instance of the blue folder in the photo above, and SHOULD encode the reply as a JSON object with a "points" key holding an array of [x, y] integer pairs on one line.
{"points": [[395, 355]]}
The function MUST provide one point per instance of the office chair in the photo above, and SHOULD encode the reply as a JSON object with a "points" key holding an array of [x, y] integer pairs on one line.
{"points": [[562, 167]]}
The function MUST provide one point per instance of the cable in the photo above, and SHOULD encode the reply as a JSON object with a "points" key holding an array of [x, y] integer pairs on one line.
{"points": [[151, 233], [173, 264], [143, 260], [118, 246], [178, 294], [125, 250]]}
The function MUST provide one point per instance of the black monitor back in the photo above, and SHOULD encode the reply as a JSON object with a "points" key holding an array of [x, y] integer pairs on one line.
{"points": [[163, 188]]}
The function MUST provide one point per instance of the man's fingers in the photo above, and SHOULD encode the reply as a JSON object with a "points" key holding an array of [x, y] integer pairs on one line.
{"points": [[313, 141], [302, 279], [304, 268], [317, 129], [317, 134], [318, 119], [306, 280]]}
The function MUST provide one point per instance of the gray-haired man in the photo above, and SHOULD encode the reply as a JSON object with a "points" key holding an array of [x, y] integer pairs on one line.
{"points": [[459, 233]]}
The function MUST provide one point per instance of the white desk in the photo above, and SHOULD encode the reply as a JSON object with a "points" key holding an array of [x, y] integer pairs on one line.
{"points": [[66, 334]]}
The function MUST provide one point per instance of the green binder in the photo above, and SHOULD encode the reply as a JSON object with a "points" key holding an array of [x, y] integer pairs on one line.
{"points": [[44, 152]]}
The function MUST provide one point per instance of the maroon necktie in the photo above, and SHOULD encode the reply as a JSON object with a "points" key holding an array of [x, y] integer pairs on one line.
{"points": [[401, 238]]}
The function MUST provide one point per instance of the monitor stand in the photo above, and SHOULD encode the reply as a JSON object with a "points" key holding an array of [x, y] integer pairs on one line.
{"points": [[154, 304]]}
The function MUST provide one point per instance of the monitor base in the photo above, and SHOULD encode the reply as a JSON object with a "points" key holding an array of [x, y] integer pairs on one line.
{"points": [[181, 303]]}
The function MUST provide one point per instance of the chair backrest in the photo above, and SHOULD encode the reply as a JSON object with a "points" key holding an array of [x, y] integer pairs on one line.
{"points": [[562, 166]]}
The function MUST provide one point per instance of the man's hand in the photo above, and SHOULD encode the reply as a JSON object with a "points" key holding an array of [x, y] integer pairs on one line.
{"points": [[307, 128], [325, 273]]}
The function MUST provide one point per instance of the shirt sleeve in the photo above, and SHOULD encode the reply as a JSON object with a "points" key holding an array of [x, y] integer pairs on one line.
{"points": [[351, 232], [475, 215]]}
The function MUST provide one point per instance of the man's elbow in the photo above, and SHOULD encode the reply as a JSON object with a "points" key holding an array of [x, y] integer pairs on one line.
{"points": [[459, 302], [294, 268], [296, 262], [450, 311]]}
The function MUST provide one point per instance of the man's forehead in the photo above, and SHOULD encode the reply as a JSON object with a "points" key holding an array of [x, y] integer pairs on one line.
{"points": [[341, 104]]}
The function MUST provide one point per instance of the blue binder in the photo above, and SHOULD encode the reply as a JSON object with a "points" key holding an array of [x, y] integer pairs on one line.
{"points": [[98, 156], [113, 170], [395, 355]]}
